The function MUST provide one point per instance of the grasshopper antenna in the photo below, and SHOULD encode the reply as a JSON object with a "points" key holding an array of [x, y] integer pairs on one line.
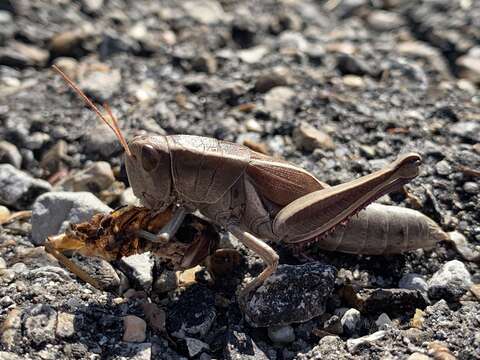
{"points": [[112, 122]]}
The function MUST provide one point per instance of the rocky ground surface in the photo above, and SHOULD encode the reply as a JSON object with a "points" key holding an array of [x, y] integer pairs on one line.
{"points": [[338, 87]]}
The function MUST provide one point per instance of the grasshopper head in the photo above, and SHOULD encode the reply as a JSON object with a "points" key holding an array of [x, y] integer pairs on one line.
{"points": [[149, 171], [147, 159]]}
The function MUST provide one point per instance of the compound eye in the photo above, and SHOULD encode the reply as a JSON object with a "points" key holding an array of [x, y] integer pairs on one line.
{"points": [[149, 158]]}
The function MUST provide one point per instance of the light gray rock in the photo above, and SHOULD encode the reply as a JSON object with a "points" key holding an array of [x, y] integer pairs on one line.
{"points": [[101, 85], [443, 168], [383, 322], [204, 11], [350, 321], [96, 177], [450, 282], [277, 99], [471, 187], [195, 346], [467, 129], [281, 334], [18, 189], [101, 141], [138, 269], [463, 247], [353, 344], [413, 282], [53, 212]]}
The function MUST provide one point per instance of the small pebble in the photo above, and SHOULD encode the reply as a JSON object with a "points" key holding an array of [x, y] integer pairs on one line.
{"points": [[353, 344], [134, 329], [463, 247], [281, 334], [475, 290], [471, 187], [443, 168], [350, 321], [195, 346], [65, 325], [309, 138], [450, 282], [383, 322], [4, 213], [413, 281]]}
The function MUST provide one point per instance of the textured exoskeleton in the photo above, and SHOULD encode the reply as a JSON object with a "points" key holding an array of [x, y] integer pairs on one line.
{"points": [[255, 197]]}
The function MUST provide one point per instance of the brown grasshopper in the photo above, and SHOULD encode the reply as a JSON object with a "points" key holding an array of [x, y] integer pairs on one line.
{"points": [[254, 196]]}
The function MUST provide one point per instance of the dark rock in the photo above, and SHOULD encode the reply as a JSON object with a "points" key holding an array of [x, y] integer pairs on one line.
{"points": [[450, 282], [18, 189], [390, 301], [349, 65], [100, 270], [292, 294], [333, 325], [192, 312], [241, 347], [270, 80], [243, 33], [205, 63]]}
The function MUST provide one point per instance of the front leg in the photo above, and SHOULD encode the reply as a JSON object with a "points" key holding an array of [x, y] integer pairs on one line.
{"points": [[261, 249], [320, 211], [168, 230]]}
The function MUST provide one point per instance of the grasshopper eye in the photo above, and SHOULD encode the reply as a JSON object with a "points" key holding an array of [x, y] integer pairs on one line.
{"points": [[149, 158]]}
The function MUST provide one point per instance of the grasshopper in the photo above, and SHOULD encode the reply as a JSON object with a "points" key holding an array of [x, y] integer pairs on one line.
{"points": [[256, 197]]}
